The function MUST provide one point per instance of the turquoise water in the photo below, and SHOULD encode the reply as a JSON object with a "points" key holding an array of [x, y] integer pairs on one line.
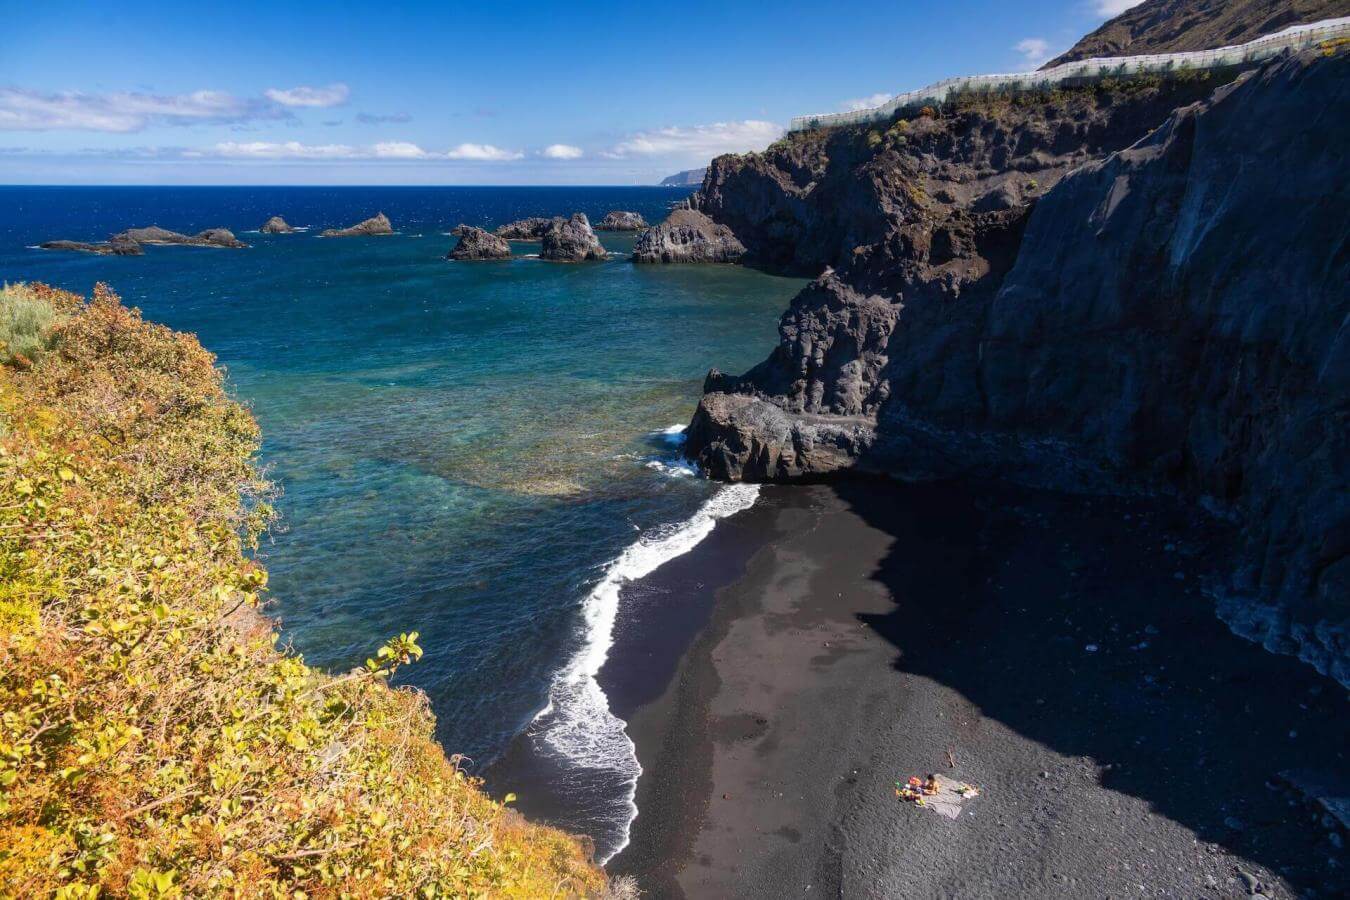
{"points": [[463, 448]]}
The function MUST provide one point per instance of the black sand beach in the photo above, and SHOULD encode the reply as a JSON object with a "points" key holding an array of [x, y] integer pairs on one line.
{"points": [[1060, 653]]}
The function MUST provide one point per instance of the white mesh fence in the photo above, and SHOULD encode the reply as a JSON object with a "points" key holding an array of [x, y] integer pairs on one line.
{"points": [[1289, 40]]}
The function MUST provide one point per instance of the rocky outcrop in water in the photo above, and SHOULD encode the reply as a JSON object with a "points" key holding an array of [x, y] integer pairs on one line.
{"points": [[375, 225], [687, 236], [1010, 298], [276, 225], [531, 229], [1171, 26], [476, 243], [620, 220], [211, 237], [115, 247], [572, 240]]}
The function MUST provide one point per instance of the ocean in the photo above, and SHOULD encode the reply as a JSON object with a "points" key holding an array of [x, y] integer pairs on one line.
{"points": [[481, 452]]}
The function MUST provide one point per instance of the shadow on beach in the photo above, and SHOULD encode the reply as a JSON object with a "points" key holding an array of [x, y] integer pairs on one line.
{"points": [[1083, 625]]}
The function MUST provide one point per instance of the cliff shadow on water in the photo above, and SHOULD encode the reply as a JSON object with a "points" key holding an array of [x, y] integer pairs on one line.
{"points": [[1084, 625]]}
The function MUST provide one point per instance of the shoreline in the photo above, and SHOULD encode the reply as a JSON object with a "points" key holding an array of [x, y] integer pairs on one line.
{"points": [[856, 633]]}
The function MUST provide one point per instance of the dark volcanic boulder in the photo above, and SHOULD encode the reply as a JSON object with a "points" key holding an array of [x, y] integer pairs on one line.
{"points": [[572, 240], [688, 236], [211, 237], [375, 225], [619, 220], [1170, 316], [114, 247], [531, 229], [475, 243], [276, 225]]}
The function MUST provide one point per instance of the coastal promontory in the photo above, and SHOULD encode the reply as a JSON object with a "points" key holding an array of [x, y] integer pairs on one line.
{"points": [[1119, 284], [375, 225]]}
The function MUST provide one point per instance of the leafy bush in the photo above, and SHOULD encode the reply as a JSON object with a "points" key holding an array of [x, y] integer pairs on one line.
{"points": [[154, 740], [27, 315]]}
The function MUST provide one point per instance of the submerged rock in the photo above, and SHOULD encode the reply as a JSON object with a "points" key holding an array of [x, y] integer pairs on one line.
{"points": [[476, 243], [276, 225], [688, 236], [375, 225], [572, 240], [114, 247], [620, 220], [1089, 290], [531, 229]]}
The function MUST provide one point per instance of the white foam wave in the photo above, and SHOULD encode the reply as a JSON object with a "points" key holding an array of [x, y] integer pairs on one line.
{"points": [[673, 435], [675, 468], [579, 724]]}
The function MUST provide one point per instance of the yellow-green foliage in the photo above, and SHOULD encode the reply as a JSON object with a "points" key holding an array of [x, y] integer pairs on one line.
{"points": [[154, 741], [26, 320]]}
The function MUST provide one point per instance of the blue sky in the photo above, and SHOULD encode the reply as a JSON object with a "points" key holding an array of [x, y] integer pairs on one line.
{"points": [[464, 93]]}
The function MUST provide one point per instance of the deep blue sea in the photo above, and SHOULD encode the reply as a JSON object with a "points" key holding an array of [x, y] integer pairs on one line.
{"points": [[481, 452]]}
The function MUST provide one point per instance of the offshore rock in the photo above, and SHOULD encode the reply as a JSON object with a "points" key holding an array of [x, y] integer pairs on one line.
{"points": [[620, 220], [376, 225], [211, 237], [688, 236], [531, 229], [1012, 299], [572, 240], [276, 225], [114, 247], [476, 243]]}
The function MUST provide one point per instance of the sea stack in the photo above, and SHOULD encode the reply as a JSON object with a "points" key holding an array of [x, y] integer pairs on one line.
{"points": [[476, 243], [622, 220], [377, 224], [688, 236], [276, 225], [572, 241]]}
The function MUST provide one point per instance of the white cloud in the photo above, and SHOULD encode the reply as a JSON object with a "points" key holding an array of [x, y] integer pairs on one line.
{"points": [[1113, 8], [399, 150], [23, 110], [865, 102], [482, 152], [321, 97], [1034, 51], [699, 141], [561, 151], [278, 150]]}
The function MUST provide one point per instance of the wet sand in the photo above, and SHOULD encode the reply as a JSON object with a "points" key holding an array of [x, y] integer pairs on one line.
{"points": [[779, 679]]}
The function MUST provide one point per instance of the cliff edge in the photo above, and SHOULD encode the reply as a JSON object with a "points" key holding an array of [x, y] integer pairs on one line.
{"points": [[1128, 286]]}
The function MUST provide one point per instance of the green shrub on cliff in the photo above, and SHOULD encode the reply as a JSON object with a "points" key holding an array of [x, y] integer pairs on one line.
{"points": [[26, 320], [154, 741]]}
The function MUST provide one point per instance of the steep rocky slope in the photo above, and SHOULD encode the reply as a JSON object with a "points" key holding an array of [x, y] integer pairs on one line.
{"points": [[1164, 26], [1009, 297]]}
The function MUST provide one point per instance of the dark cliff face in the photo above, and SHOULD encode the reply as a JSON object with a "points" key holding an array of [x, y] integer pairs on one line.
{"points": [[925, 188], [1170, 316], [1168, 26]]}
